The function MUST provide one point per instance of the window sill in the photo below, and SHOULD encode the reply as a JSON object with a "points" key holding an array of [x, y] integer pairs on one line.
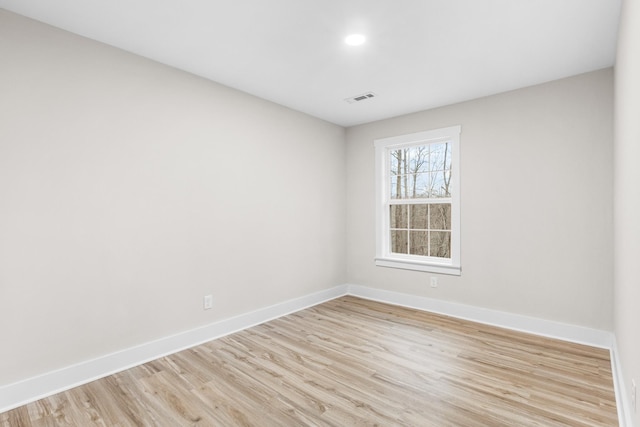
{"points": [[419, 266]]}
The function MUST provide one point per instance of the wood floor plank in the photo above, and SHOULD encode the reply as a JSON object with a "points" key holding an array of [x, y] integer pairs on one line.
{"points": [[350, 362]]}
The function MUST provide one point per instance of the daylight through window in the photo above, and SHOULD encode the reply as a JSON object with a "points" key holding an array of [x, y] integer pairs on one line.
{"points": [[418, 201]]}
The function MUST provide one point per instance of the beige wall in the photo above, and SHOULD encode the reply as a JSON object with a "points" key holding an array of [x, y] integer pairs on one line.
{"points": [[128, 190], [536, 202], [627, 197]]}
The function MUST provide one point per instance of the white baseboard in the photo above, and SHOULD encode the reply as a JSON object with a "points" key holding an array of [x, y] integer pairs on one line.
{"points": [[623, 401], [545, 328], [32, 389]]}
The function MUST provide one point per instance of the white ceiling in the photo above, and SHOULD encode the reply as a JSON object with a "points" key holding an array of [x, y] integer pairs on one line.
{"points": [[419, 54]]}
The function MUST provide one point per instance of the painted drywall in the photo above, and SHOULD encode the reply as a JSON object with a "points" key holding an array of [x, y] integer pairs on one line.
{"points": [[129, 190], [627, 198], [536, 206]]}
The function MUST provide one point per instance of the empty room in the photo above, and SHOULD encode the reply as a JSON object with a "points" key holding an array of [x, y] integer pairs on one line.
{"points": [[319, 213]]}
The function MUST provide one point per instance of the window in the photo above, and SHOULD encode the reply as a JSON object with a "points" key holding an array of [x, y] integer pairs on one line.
{"points": [[418, 201]]}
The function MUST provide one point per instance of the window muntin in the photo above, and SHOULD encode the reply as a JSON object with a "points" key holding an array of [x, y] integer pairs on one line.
{"points": [[421, 172], [422, 229], [418, 201]]}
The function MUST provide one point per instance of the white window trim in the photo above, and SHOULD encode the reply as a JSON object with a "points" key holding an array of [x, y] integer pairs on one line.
{"points": [[384, 258]]}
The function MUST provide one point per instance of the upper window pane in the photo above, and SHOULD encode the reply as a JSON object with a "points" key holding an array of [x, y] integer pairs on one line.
{"points": [[440, 184], [399, 184], [419, 186], [440, 156], [419, 159], [420, 172], [399, 162]]}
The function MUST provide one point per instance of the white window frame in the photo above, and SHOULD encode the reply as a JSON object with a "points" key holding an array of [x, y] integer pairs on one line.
{"points": [[384, 256]]}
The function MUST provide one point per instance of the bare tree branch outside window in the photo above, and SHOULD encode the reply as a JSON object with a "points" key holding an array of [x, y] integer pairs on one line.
{"points": [[421, 174]]}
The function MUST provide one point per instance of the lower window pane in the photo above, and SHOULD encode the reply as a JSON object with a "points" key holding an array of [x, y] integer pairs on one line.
{"points": [[440, 244], [399, 241], [398, 216], [440, 216], [419, 243], [419, 218]]}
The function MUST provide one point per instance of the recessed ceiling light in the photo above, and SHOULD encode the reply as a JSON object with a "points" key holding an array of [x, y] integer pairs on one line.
{"points": [[355, 39]]}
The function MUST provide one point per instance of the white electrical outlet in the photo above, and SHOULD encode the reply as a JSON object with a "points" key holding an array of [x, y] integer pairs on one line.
{"points": [[434, 282], [208, 302], [633, 395]]}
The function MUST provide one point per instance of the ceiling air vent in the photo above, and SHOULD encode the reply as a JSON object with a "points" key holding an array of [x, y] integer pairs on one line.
{"points": [[360, 98]]}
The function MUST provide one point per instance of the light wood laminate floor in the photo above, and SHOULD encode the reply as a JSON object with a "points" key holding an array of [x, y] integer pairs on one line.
{"points": [[350, 362]]}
